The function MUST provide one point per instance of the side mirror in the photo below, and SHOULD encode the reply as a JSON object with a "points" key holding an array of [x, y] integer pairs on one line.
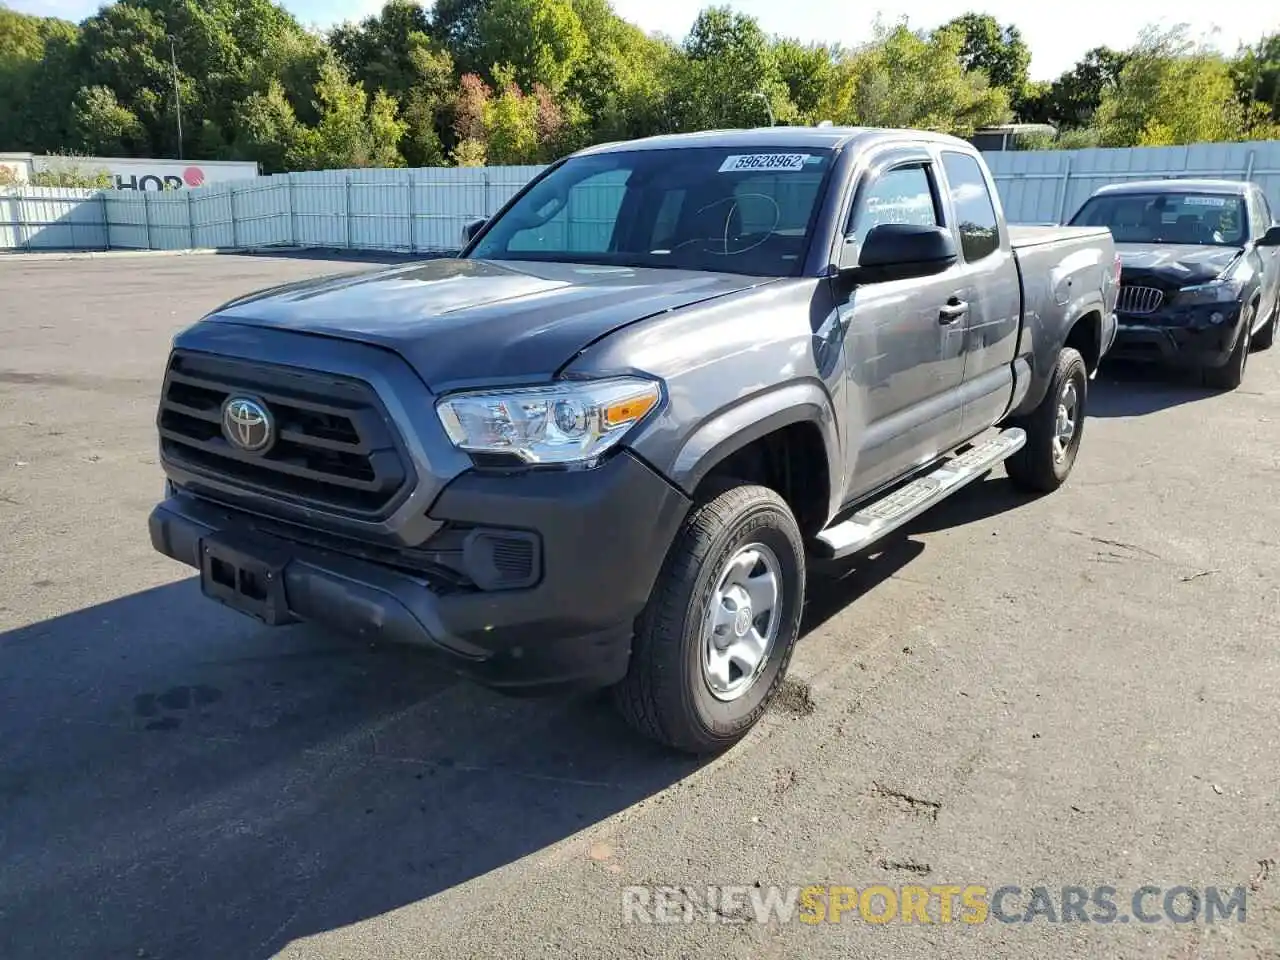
{"points": [[900, 251], [1271, 238], [470, 229]]}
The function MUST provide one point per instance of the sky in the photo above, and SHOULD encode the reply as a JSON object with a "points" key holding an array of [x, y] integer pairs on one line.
{"points": [[1058, 33]]}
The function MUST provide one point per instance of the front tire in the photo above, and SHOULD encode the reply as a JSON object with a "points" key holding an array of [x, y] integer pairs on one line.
{"points": [[1267, 335], [1054, 428], [714, 642], [1231, 374]]}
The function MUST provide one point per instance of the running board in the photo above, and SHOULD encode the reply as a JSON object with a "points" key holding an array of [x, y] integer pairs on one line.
{"points": [[906, 503]]}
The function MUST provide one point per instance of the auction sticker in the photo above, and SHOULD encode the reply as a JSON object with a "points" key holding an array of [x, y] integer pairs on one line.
{"points": [[770, 162]]}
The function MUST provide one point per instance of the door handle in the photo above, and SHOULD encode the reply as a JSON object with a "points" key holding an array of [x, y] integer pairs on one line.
{"points": [[954, 309]]}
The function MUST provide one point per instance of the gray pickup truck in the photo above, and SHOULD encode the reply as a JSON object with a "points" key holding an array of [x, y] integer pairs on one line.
{"points": [[597, 448]]}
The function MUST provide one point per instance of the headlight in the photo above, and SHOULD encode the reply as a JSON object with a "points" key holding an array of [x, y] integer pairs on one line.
{"points": [[568, 422], [1219, 291]]}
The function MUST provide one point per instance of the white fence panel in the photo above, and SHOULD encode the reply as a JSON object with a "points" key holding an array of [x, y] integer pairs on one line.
{"points": [[424, 210]]}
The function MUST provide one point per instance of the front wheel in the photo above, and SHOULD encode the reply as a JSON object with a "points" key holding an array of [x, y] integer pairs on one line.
{"points": [[1267, 335], [1231, 374], [714, 642], [1054, 428]]}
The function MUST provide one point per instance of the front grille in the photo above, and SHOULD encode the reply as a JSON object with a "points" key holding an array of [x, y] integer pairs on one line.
{"points": [[335, 446], [1139, 300]]}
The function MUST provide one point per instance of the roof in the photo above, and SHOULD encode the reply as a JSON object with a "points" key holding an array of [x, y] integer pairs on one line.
{"points": [[787, 138], [1236, 188]]}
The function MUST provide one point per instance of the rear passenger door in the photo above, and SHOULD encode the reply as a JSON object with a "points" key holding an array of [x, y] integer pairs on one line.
{"points": [[904, 340], [989, 285]]}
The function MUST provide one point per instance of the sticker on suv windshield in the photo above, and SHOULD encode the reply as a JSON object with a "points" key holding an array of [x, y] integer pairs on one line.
{"points": [[769, 162], [1207, 201]]}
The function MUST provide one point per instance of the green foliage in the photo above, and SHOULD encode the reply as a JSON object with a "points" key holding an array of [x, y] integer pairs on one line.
{"points": [[542, 41], [70, 173], [907, 79], [998, 51], [728, 76], [1171, 91], [525, 81]]}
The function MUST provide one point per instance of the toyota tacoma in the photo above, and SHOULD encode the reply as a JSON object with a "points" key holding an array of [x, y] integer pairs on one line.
{"points": [[598, 447]]}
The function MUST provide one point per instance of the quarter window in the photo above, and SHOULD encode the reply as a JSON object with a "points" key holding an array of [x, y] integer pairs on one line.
{"points": [[975, 213]]}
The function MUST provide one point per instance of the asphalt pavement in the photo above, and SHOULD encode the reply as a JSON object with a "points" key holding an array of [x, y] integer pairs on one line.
{"points": [[1076, 690]]}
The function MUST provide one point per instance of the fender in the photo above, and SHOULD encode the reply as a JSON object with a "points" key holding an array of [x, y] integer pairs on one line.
{"points": [[732, 428], [1042, 346]]}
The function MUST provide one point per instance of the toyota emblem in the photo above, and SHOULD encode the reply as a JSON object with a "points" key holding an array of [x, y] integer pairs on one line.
{"points": [[247, 424]]}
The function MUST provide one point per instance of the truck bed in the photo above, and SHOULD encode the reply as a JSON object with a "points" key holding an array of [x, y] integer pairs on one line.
{"points": [[1023, 236]]}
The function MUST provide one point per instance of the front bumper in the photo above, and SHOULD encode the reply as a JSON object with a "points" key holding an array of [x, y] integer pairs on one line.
{"points": [[1186, 337], [603, 535]]}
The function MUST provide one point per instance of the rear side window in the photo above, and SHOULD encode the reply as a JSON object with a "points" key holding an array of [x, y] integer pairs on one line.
{"points": [[975, 213]]}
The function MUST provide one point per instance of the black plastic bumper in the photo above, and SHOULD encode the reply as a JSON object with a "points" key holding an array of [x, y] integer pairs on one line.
{"points": [[604, 534], [1184, 340]]}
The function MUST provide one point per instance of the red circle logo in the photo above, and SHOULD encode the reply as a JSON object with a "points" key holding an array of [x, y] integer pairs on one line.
{"points": [[193, 176]]}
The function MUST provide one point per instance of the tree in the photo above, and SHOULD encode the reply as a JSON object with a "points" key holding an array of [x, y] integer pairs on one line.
{"points": [[1256, 73], [908, 79], [38, 80], [1171, 91], [542, 41], [808, 72], [1074, 98], [269, 131], [728, 76], [998, 51], [103, 126], [351, 133]]}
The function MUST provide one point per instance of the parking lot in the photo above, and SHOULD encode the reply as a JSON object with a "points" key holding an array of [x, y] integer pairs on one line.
{"points": [[1082, 689]]}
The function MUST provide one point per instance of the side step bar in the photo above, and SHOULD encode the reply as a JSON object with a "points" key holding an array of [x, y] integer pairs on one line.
{"points": [[906, 503]]}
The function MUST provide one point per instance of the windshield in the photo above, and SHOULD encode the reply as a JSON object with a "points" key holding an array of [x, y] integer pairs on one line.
{"points": [[705, 208], [1190, 218]]}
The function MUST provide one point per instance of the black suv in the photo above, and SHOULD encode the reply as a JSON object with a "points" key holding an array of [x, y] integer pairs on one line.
{"points": [[1200, 282]]}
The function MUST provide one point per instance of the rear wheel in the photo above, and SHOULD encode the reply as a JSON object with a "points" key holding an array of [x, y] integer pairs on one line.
{"points": [[714, 642], [1231, 374], [1054, 428]]}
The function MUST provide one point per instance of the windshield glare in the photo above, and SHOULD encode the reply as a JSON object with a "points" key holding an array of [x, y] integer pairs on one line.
{"points": [[735, 211], [1189, 218]]}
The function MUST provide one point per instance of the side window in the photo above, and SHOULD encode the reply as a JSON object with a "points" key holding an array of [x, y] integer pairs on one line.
{"points": [[900, 195], [584, 223], [1265, 207], [975, 213]]}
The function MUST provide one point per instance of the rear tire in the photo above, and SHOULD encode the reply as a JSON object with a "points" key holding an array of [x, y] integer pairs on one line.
{"points": [[1267, 335], [681, 688], [1054, 428], [1231, 374]]}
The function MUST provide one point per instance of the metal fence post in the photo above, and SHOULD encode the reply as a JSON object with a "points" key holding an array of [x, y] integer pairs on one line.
{"points": [[1066, 184], [21, 221], [485, 175], [346, 200], [413, 240], [191, 224], [293, 212], [146, 216], [106, 220], [1248, 170], [231, 200]]}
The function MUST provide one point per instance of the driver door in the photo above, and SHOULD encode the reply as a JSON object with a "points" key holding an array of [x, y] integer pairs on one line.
{"points": [[904, 339]]}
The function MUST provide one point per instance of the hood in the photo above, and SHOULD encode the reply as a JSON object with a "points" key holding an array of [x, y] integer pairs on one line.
{"points": [[1179, 265], [468, 321]]}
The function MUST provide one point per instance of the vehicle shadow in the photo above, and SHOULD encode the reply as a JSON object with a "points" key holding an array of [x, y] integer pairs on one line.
{"points": [[178, 781], [1133, 389]]}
